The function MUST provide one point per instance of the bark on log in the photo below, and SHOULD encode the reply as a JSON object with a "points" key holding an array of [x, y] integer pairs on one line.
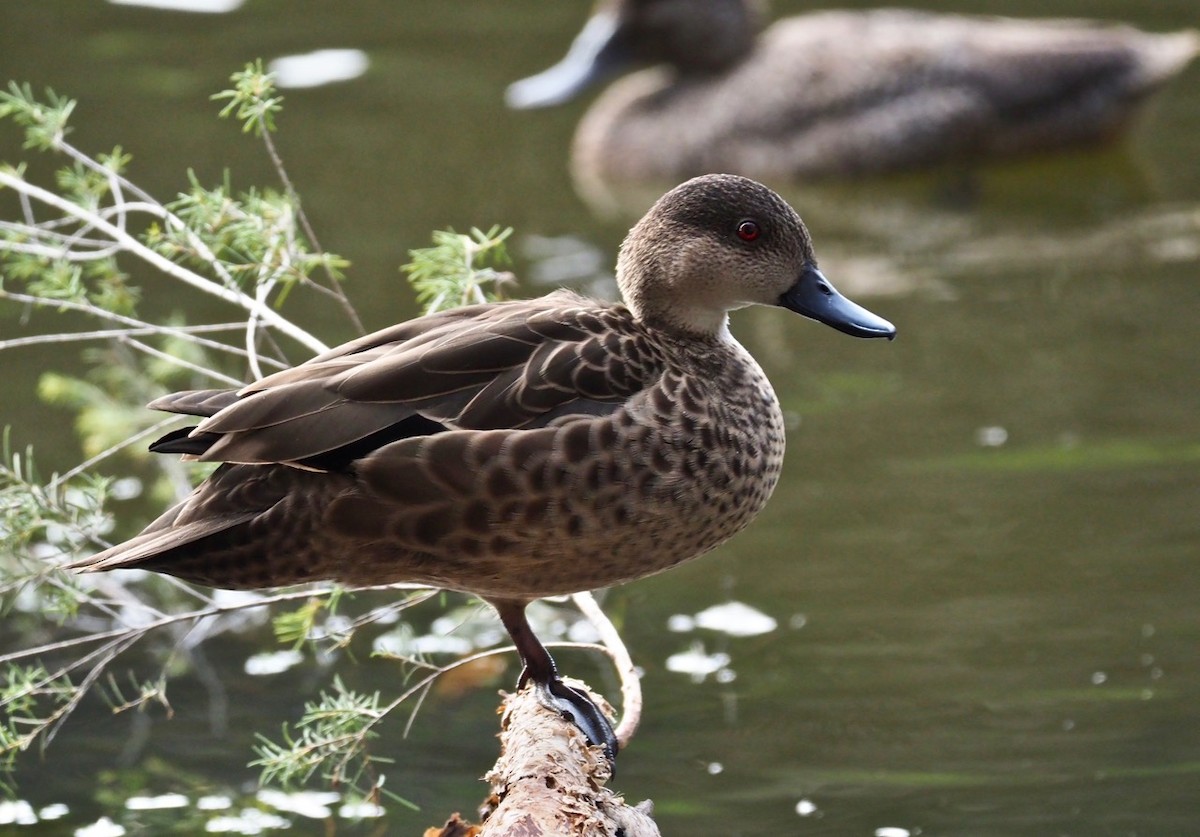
{"points": [[549, 782]]}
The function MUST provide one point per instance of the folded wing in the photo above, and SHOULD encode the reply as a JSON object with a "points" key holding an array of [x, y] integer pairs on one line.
{"points": [[514, 365]]}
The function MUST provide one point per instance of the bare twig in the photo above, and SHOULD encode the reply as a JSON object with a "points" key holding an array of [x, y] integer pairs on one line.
{"points": [[146, 348], [137, 327], [631, 680], [88, 464], [334, 288]]}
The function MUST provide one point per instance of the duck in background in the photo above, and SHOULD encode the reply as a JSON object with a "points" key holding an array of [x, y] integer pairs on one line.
{"points": [[840, 94]]}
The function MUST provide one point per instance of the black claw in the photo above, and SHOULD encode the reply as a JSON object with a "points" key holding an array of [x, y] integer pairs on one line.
{"points": [[576, 705]]}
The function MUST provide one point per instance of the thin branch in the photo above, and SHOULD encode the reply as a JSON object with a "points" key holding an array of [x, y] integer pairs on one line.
{"points": [[146, 348], [164, 264], [77, 155], [27, 209], [173, 221], [153, 430], [262, 290], [211, 609], [631, 681], [63, 252], [335, 287], [423, 595], [50, 730], [137, 327]]}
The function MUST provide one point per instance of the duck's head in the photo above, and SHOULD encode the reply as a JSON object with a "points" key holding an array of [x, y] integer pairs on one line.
{"points": [[721, 242], [693, 36]]}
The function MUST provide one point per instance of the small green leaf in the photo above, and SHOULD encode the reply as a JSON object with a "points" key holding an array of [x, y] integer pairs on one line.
{"points": [[252, 99]]}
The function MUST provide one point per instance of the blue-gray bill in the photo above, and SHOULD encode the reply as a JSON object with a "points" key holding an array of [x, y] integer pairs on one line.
{"points": [[814, 297]]}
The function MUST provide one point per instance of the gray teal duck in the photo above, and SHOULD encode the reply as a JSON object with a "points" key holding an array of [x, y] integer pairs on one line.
{"points": [[513, 450], [839, 93]]}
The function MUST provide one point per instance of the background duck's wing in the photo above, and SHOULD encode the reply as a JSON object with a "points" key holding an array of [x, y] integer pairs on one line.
{"points": [[512, 365], [920, 87]]}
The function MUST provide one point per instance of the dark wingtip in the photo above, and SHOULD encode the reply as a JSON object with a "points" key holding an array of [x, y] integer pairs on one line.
{"points": [[181, 441]]}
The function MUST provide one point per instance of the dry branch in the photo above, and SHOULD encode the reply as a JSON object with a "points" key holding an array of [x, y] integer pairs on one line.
{"points": [[549, 782]]}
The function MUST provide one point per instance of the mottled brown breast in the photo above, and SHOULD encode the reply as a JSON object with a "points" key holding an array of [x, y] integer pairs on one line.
{"points": [[586, 503]]}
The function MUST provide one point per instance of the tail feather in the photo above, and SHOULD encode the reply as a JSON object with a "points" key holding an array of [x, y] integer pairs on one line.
{"points": [[155, 544]]}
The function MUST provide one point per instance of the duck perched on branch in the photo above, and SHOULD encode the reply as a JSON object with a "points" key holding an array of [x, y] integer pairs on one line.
{"points": [[513, 450]]}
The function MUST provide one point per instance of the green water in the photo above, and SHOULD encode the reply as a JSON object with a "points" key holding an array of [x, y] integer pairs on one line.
{"points": [[983, 557]]}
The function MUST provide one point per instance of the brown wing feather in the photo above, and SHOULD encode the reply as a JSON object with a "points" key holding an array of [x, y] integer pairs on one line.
{"points": [[225, 500], [513, 365], [297, 438], [195, 402]]}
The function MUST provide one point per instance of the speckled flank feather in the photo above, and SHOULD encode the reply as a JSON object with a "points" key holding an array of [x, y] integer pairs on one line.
{"points": [[838, 93], [513, 450]]}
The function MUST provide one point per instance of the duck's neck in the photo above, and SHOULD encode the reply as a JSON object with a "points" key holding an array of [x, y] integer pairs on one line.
{"points": [[690, 324]]}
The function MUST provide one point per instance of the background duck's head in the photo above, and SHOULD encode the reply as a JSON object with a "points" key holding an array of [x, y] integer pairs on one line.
{"points": [[693, 36], [721, 242]]}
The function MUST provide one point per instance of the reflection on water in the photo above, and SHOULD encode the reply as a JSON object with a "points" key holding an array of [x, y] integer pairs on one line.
{"points": [[981, 561], [197, 6], [322, 66]]}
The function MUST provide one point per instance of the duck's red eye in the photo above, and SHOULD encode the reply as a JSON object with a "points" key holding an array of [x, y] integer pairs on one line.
{"points": [[748, 231]]}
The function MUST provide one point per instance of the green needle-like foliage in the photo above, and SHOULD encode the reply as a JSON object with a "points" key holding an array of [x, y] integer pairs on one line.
{"points": [[457, 268], [45, 122], [34, 700], [253, 99], [331, 740]]}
